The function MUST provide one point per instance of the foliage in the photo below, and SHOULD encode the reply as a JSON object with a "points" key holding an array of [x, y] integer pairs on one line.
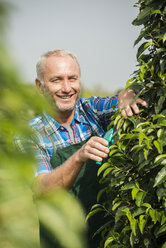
{"points": [[135, 171], [18, 214]]}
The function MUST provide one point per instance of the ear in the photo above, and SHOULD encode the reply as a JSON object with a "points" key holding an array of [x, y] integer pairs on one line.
{"points": [[39, 85]]}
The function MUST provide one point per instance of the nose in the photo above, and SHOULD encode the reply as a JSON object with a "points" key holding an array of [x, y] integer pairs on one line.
{"points": [[66, 86]]}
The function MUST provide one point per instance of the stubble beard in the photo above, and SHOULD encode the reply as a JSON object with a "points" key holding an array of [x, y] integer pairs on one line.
{"points": [[57, 107], [62, 110]]}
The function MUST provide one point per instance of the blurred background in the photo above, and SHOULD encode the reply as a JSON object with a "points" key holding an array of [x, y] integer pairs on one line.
{"points": [[99, 32]]}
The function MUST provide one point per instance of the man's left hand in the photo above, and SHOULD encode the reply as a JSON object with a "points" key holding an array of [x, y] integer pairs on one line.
{"points": [[124, 103]]}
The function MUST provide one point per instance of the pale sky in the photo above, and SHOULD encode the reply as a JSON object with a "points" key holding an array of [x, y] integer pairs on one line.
{"points": [[98, 32]]}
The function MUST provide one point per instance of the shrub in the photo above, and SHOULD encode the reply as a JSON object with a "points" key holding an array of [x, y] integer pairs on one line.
{"points": [[135, 171]]}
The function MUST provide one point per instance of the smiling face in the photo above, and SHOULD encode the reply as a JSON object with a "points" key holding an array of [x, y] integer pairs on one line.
{"points": [[61, 81]]}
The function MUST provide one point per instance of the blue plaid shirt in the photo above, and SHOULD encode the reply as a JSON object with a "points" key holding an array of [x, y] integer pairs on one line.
{"points": [[92, 116]]}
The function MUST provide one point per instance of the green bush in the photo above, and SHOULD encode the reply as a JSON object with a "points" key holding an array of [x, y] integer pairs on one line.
{"points": [[19, 226], [135, 171]]}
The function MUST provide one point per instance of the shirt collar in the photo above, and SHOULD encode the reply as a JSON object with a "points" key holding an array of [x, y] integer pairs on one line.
{"points": [[79, 115], [51, 125]]}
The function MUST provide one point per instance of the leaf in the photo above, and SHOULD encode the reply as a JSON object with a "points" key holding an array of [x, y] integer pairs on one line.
{"points": [[101, 192], [160, 157], [146, 205], [141, 223], [137, 148], [113, 151], [133, 224], [117, 119], [158, 108], [116, 205], [132, 240], [102, 168], [164, 245], [160, 50], [115, 200], [163, 162], [164, 38], [141, 138], [129, 82], [142, 164], [157, 144], [129, 136], [163, 63], [146, 151], [153, 215], [143, 47], [128, 186], [161, 176], [93, 212], [134, 193], [132, 119], [139, 211], [137, 184], [108, 241], [126, 229], [139, 198], [147, 123], [158, 116], [163, 218], [159, 133], [142, 33], [161, 192], [162, 230], [143, 16], [125, 125], [157, 11], [162, 123], [107, 171], [133, 221]]}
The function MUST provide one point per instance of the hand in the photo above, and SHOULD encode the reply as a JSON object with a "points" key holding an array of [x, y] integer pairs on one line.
{"points": [[125, 99], [95, 149]]}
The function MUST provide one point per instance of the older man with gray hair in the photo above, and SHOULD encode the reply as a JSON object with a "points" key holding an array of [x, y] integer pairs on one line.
{"points": [[69, 141]]}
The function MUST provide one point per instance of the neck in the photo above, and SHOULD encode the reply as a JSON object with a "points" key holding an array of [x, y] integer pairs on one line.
{"points": [[64, 118]]}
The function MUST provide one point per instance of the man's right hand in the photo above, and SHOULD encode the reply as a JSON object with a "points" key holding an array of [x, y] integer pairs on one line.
{"points": [[65, 174], [95, 149]]}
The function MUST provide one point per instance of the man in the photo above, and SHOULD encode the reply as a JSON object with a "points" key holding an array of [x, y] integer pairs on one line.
{"points": [[69, 141]]}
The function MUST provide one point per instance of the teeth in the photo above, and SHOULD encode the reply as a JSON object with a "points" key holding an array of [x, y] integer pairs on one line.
{"points": [[65, 97]]}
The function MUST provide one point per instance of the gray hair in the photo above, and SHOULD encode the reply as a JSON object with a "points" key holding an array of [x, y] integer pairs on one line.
{"points": [[58, 53]]}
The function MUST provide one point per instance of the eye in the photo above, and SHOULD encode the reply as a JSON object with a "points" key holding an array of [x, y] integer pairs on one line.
{"points": [[55, 80], [73, 78]]}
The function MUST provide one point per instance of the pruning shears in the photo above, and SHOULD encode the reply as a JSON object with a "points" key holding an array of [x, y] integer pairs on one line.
{"points": [[109, 136]]}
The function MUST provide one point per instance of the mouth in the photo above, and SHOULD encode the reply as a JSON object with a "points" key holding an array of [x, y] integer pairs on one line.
{"points": [[65, 97]]}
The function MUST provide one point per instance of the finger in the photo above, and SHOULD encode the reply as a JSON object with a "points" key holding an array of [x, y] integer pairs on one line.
{"points": [[124, 114], [128, 111], [96, 158], [98, 140], [142, 102], [99, 146], [99, 153], [135, 108]]}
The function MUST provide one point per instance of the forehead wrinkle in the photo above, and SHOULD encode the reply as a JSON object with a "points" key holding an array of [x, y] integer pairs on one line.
{"points": [[61, 68]]}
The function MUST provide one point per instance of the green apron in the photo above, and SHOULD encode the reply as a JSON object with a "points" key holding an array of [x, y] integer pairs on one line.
{"points": [[86, 184], [85, 188]]}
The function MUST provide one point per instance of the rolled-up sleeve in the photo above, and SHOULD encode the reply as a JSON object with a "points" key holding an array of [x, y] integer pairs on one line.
{"points": [[42, 156]]}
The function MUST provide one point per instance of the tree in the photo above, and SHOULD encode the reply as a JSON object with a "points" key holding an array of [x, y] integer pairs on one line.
{"points": [[18, 215], [135, 171]]}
